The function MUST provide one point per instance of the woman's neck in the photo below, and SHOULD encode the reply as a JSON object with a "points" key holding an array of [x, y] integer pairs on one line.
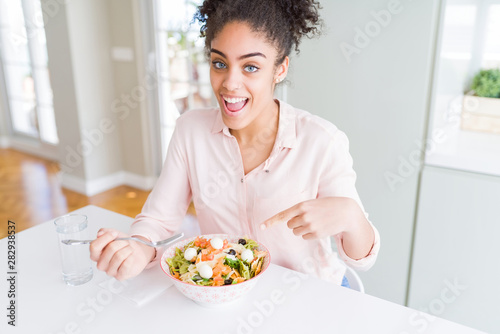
{"points": [[263, 129]]}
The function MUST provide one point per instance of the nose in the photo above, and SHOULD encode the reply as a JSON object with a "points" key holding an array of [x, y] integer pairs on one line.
{"points": [[232, 81]]}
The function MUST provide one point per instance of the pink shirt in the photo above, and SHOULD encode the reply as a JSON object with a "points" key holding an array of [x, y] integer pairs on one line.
{"points": [[310, 159]]}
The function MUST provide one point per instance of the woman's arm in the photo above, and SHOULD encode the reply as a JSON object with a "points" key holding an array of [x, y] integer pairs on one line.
{"points": [[358, 236], [337, 211], [161, 216], [328, 216]]}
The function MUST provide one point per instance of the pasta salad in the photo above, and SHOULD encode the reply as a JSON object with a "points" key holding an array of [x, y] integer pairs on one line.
{"points": [[216, 262]]}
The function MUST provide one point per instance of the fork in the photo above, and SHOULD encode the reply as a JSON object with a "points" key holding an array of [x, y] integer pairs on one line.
{"points": [[147, 243]]}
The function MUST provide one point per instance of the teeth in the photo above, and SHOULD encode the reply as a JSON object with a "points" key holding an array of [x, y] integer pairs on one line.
{"points": [[234, 100]]}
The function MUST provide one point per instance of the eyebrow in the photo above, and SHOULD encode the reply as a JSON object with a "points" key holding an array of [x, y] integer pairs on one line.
{"points": [[248, 55]]}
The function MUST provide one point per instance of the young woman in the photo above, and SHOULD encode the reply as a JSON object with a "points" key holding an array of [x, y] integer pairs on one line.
{"points": [[255, 166]]}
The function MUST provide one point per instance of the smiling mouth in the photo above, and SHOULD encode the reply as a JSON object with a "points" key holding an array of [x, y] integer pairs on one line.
{"points": [[235, 104]]}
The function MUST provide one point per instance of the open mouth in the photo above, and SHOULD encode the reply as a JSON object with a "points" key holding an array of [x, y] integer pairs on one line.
{"points": [[235, 104]]}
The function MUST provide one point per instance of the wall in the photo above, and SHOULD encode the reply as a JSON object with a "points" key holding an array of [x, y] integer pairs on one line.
{"points": [[376, 90], [101, 128], [92, 66], [130, 86]]}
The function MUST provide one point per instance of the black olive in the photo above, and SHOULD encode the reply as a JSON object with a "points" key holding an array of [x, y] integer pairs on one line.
{"points": [[242, 241], [232, 252], [198, 251], [228, 281]]}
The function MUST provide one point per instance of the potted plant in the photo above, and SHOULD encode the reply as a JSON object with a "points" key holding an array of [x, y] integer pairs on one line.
{"points": [[481, 106]]}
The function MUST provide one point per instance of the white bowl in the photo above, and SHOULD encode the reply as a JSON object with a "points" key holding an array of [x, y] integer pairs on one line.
{"points": [[211, 296]]}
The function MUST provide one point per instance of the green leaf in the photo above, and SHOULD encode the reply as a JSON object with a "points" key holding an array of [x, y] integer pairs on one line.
{"points": [[487, 83], [204, 281], [235, 264]]}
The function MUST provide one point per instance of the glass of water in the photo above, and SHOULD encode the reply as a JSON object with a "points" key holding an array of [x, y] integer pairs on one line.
{"points": [[76, 264]]}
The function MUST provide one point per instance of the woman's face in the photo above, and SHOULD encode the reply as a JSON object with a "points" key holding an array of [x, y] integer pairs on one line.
{"points": [[243, 75]]}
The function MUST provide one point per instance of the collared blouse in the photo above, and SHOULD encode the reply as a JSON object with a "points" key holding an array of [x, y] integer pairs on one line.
{"points": [[310, 159]]}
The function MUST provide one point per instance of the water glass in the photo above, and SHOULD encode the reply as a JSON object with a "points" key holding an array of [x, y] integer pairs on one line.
{"points": [[75, 259]]}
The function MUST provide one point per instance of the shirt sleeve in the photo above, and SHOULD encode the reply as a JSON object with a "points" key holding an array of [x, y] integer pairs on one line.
{"points": [[166, 206], [338, 180]]}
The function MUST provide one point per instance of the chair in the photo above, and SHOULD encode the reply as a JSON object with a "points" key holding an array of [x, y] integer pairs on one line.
{"points": [[354, 280]]}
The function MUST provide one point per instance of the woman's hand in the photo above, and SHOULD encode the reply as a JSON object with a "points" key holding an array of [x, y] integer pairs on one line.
{"points": [[327, 216], [121, 259]]}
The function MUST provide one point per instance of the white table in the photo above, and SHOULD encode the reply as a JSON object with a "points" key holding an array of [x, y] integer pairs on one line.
{"points": [[46, 305]]}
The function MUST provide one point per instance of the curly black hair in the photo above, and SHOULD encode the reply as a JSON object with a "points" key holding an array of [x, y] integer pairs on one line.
{"points": [[283, 22]]}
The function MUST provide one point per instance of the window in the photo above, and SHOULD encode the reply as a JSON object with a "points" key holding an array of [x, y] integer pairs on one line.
{"points": [[491, 53], [182, 70], [469, 41], [23, 57], [457, 41]]}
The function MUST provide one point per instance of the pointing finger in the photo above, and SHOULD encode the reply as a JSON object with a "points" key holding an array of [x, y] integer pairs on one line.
{"points": [[281, 217]]}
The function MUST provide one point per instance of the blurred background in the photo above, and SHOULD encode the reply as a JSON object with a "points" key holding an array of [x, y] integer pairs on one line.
{"points": [[90, 91]]}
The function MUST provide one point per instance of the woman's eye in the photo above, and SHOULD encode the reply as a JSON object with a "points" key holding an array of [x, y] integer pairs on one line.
{"points": [[251, 68], [218, 65]]}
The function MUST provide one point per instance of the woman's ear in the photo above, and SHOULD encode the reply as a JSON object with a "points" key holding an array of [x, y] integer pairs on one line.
{"points": [[281, 70]]}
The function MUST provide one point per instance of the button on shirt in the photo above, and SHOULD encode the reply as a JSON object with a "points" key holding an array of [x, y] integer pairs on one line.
{"points": [[310, 159]]}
